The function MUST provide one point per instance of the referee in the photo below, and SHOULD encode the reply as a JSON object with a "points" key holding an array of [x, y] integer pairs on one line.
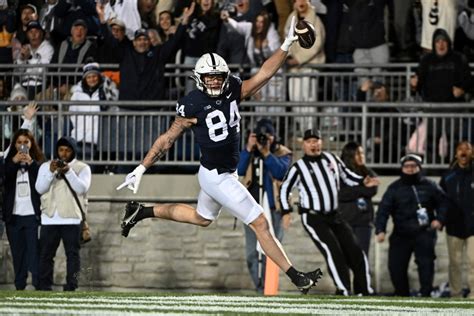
{"points": [[317, 176]]}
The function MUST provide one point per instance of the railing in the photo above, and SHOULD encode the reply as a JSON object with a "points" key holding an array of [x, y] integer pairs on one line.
{"points": [[122, 137], [318, 83]]}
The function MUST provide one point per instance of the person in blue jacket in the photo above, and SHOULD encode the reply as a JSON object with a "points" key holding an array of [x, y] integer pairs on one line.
{"points": [[418, 208], [276, 159], [458, 185]]}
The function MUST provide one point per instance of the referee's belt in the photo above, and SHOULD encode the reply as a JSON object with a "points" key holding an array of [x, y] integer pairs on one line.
{"points": [[303, 210]]}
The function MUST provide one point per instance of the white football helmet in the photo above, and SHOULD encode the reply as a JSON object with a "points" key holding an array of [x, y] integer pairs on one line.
{"points": [[211, 64]]}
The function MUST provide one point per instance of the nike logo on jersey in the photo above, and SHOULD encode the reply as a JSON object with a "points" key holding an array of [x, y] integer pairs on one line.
{"points": [[228, 96]]}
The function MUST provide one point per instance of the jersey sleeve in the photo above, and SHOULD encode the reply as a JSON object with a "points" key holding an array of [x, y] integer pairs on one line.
{"points": [[235, 86], [185, 108]]}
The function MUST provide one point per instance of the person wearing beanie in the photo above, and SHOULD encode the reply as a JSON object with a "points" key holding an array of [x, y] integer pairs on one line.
{"points": [[37, 50], [417, 206], [85, 128], [18, 93], [263, 151], [60, 214]]}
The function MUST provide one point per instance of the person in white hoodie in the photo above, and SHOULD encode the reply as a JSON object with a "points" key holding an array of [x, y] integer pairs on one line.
{"points": [[85, 128]]}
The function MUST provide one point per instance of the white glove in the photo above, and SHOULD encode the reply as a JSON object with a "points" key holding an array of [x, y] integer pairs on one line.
{"points": [[291, 37], [132, 180]]}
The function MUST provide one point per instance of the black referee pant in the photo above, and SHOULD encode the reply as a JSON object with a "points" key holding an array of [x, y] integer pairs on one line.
{"points": [[334, 238]]}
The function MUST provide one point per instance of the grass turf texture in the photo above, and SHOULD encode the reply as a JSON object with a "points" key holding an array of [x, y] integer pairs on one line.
{"points": [[122, 303]]}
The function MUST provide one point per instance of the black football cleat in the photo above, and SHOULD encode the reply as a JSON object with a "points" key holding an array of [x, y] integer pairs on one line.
{"points": [[315, 275], [128, 221], [307, 280]]}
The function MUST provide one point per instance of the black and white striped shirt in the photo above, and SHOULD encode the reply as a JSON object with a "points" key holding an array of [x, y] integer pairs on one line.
{"points": [[317, 179]]}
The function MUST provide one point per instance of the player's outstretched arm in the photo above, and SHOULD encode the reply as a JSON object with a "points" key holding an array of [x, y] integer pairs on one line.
{"points": [[270, 66], [164, 142], [160, 147]]}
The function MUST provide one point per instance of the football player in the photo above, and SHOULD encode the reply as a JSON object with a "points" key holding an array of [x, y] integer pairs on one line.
{"points": [[212, 112]]}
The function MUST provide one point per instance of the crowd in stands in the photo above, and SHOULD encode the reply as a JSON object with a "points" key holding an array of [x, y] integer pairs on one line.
{"points": [[142, 36]]}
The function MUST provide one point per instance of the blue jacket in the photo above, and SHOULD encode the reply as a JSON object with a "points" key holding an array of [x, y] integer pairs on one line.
{"points": [[274, 168], [457, 183], [399, 201]]}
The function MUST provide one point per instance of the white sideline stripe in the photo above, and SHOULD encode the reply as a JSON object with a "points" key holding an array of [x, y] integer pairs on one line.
{"points": [[16, 311], [265, 308], [245, 299], [12, 311]]}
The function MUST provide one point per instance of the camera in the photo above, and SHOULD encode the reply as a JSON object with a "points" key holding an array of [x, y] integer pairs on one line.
{"points": [[262, 138], [24, 149], [60, 163]]}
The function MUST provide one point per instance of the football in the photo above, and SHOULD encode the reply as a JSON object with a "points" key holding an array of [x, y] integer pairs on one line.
{"points": [[306, 34]]}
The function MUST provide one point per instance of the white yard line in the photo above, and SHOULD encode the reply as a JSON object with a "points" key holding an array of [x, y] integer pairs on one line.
{"points": [[213, 306], [246, 299]]}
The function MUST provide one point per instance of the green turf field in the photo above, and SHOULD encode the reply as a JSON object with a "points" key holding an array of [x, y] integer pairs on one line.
{"points": [[108, 303]]}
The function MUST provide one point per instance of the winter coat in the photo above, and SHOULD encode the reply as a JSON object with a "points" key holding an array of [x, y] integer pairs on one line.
{"points": [[355, 203], [399, 201], [458, 185], [85, 128], [438, 75]]}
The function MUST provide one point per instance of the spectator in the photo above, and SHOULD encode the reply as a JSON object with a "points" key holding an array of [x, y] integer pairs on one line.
{"points": [[21, 208], [437, 14], [154, 37], [367, 32], [141, 66], [232, 44], [27, 13], [141, 78], [355, 202], [106, 52], [37, 51], [85, 128], [202, 35], [261, 40], [60, 182], [442, 76], [76, 49], [262, 151], [68, 12], [416, 206], [7, 28], [300, 60], [317, 176], [457, 183], [166, 26]]}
